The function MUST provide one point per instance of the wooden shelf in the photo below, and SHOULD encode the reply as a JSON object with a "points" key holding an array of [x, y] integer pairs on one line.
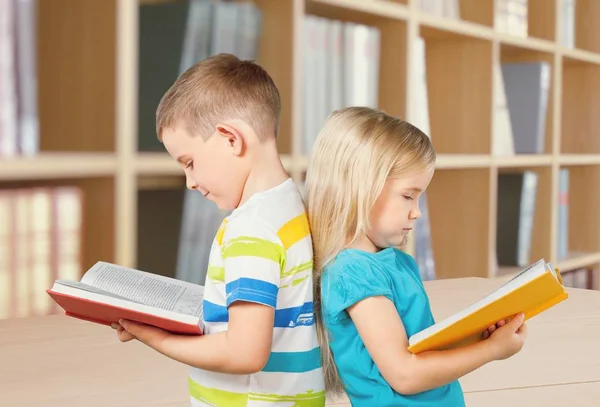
{"points": [[522, 161], [579, 159], [453, 161], [579, 260], [527, 43], [90, 137], [450, 161], [578, 55], [57, 166], [580, 125], [459, 74], [459, 202], [156, 164], [441, 28], [352, 9]]}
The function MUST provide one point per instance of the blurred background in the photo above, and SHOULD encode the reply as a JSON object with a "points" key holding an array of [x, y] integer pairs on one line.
{"points": [[506, 89]]}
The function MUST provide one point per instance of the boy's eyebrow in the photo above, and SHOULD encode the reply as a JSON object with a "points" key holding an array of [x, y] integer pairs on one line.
{"points": [[183, 159]]}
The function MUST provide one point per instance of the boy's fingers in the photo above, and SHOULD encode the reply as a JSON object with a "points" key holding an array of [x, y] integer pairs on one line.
{"points": [[125, 336]]}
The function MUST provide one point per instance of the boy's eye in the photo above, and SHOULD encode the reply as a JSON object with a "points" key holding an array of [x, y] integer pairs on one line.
{"points": [[189, 165]]}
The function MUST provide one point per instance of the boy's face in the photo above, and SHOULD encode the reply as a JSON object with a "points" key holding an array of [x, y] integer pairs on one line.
{"points": [[213, 167]]}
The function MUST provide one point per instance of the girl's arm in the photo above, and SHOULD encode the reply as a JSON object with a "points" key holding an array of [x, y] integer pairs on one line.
{"points": [[384, 336], [243, 349]]}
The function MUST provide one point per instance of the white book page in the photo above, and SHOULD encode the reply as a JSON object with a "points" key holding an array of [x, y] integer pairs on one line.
{"points": [[145, 288], [89, 288]]}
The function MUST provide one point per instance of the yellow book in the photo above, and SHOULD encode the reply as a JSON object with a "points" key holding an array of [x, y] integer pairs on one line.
{"points": [[532, 291]]}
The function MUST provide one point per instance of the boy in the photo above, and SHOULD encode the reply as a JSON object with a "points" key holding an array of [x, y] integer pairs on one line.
{"points": [[219, 120]]}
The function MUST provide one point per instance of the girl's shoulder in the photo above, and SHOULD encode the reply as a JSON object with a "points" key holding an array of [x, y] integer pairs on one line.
{"points": [[351, 261], [352, 276], [386, 260]]}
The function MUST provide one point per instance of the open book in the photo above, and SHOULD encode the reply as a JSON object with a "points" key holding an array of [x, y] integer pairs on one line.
{"points": [[108, 292], [532, 291]]}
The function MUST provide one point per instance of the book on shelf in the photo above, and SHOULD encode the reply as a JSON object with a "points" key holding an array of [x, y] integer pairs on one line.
{"points": [[516, 202], [340, 68], [527, 87], [108, 292], [532, 291]]}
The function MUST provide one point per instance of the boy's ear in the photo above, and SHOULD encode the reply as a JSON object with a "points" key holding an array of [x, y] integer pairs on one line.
{"points": [[232, 136]]}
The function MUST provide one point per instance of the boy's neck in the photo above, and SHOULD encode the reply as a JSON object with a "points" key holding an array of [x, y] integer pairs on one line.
{"points": [[266, 170]]}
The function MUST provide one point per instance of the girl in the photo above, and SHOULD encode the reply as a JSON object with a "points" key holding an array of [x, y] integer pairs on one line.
{"points": [[363, 183]]}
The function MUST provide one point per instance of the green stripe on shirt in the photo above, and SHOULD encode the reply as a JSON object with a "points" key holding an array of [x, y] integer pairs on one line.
{"points": [[216, 274], [298, 269], [253, 247], [309, 399], [216, 397], [220, 398]]}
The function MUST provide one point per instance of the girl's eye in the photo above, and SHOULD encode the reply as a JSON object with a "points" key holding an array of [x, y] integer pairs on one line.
{"points": [[408, 197]]}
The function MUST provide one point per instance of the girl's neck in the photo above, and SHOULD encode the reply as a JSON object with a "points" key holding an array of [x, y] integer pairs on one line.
{"points": [[365, 244]]}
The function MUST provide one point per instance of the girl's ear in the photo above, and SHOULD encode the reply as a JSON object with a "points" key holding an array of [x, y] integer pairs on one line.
{"points": [[232, 137]]}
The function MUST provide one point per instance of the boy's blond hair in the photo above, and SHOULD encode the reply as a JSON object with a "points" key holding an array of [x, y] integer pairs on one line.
{"points": [[356, 151], [219, 88]]}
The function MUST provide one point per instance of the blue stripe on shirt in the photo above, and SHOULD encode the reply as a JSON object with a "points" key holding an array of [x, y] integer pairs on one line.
{"points": [[214, 312], [284, 318], [252, 290], [294, 362], [291, 317]]}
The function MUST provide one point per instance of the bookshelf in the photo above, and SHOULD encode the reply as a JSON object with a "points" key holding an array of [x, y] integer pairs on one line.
{"points": [[88, 101]]}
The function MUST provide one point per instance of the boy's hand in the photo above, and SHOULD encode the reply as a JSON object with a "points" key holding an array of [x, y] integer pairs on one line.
{"points": [[509, 338], [150, 335], [122, 334]]}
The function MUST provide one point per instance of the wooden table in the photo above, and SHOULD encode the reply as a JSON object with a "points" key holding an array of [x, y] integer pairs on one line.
{"points": [[60, 361]]}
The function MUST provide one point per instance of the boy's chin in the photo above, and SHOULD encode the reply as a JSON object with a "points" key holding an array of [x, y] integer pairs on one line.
{"points": [[222, 203]]}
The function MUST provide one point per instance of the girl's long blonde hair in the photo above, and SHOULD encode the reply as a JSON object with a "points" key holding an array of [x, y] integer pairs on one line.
{"points": [[357, 149]]}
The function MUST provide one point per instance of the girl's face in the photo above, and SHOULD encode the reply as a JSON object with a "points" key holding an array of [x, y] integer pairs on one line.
{"points": [[395, 211]]}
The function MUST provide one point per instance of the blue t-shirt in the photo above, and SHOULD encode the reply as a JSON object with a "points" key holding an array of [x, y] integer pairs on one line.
{"points": [[353, 276]]}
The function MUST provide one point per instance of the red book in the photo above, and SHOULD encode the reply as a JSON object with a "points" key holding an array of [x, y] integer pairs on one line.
{"points": [[108, 292]]}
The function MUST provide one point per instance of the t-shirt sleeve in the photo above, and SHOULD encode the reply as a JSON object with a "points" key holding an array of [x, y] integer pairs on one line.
{"points": [[352, 283], [253, 257]]}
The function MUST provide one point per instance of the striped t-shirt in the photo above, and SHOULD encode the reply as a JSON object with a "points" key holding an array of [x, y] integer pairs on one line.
{"points": [[262, 253]]}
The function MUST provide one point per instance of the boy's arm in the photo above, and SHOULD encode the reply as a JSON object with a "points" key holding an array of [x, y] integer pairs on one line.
{"points": [[253, 256], [243, 349], [384, 336]]}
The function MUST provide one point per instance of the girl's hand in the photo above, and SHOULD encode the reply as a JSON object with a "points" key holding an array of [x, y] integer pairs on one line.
{"points": [[488, 332], [508, 338]]}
